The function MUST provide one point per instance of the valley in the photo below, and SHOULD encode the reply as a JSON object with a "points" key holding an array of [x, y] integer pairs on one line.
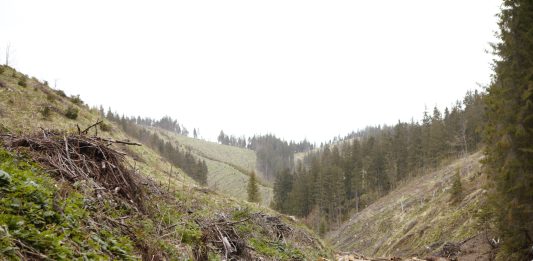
{"points": [[364, 131]]}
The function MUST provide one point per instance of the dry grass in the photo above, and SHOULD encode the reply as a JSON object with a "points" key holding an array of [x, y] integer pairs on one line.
{"points": [[418, 217]]}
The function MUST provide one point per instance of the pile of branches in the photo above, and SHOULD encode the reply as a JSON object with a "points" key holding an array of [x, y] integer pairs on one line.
{"points": [[273, 225], [220, 235], [76, 157]]}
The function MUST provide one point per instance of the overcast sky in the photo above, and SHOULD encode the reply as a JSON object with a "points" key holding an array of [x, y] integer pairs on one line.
{"points": [[298, 69]]}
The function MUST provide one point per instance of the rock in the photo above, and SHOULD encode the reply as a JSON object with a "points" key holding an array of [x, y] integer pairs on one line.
{"points": [[5, 178]]}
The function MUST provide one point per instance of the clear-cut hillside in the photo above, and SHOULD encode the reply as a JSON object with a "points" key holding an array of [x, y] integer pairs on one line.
{"points": [[228, 166], [417, 218], [43, 216]]}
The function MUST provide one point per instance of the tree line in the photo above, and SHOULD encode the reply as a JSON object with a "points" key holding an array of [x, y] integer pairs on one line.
{"points": [[509, 132], [347, 176], [165, 123], [184, 159], [231, 140], [273, 154]]}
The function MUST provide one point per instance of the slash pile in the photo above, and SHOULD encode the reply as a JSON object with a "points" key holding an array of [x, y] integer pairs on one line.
{"points": [[79, 156]]}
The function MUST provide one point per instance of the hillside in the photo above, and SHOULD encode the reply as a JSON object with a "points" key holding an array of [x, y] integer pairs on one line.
{"points": [[228, 166], [60, 213], [418, 218]]}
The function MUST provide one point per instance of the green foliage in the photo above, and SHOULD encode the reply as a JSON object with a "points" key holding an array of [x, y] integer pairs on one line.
{"points": [[76, 99], [273, 154], [282, 188], [351, 174], [35, 219], [509, 130], [72, 113], [23, 81], [457, 188], [253, 189], [276, 250], [2, 69]]}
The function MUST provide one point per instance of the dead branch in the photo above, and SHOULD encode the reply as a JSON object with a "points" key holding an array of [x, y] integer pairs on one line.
{"points": [[78, 157], [86, 130]]}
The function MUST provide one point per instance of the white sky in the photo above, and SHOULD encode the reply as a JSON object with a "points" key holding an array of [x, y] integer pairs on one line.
{"points": [[298, 69]]}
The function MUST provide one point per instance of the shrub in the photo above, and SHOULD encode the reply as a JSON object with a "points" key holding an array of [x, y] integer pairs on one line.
{"points": [[60, 93], [76, 99], [22, 81], [71, 113], [106, 127], [2, 84], [2, 69], [46, 112]]}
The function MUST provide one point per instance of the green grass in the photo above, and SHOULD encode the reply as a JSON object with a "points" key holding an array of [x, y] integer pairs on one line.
{"points": [[241, 157], [228, 166], [226, 179]]}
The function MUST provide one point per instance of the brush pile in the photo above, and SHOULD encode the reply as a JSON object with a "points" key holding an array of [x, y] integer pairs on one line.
{"points": [[76, 157], [222, 235]]}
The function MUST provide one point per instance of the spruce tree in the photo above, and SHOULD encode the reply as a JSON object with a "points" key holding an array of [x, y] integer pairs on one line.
{"points": [[509, 130], [253, 189], [457, 188]]}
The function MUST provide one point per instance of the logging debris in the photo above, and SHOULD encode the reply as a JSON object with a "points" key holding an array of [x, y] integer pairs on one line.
{"points": [[76, 157]]}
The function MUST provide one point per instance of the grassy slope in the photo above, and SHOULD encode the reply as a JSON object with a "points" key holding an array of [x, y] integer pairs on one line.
{"points": [[228, 166], [428, 218], [19, 112]]}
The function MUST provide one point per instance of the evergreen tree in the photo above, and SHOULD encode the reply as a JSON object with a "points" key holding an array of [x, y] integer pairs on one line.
{"points": [[253, 189], [457, 188], [282, 188], [509, 132]]}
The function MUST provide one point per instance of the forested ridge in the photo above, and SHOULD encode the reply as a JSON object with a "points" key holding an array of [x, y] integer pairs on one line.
{"points": [[273, 154], [184, 159], [347, 176]]}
